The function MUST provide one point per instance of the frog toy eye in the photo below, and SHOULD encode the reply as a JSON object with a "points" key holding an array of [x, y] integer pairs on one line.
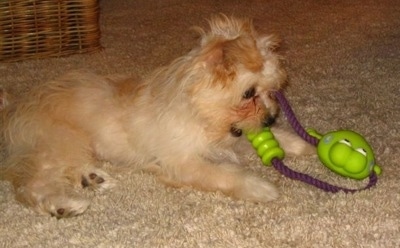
{"points": [[346, 142], [362, 151]]}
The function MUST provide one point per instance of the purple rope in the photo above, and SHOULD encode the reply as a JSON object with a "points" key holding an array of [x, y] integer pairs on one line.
{"points": [[293, 120], [283, 169]]}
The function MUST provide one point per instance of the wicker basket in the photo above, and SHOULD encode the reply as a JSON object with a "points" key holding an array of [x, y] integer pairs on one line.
{"points": [[47, 28]]}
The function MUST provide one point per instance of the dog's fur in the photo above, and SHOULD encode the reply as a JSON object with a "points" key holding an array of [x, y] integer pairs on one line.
{"points": [[182, 123]]}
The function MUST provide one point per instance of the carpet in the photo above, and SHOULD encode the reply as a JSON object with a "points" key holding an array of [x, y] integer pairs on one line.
{"points": [[343, 62]]}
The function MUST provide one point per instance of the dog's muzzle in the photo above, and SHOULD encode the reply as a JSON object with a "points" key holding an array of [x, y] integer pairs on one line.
{"points": [[269, 121]]}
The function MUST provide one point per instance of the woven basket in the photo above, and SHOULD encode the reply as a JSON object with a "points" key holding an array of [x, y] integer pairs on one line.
{"points": [[47, 28]]}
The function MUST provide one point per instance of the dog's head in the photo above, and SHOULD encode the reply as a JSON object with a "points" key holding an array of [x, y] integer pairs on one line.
{"points": [[235, 72]]}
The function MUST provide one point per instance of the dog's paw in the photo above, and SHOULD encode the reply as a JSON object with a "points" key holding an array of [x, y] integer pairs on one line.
{"points": [[97, 180], [63, 207], [258, 190]]}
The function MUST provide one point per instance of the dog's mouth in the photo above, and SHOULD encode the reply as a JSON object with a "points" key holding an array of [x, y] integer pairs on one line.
{"points": [[267, 122]]}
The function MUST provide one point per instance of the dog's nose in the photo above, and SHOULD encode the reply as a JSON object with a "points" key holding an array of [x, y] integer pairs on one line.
{"points": [[269, 120]]}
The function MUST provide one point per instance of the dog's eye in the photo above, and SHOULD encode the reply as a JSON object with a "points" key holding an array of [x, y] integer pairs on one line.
{"points": [[249, 93]]}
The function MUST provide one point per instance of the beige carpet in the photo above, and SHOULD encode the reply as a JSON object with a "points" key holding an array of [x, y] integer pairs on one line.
{"points": [[343, 58]]}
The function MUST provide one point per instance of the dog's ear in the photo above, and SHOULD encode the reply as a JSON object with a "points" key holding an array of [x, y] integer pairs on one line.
{"points": [[268, 43], [214, 55], [223, 57]]}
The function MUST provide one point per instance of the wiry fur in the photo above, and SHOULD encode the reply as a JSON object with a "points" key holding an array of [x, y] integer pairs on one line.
{"points": [[177, 123]]}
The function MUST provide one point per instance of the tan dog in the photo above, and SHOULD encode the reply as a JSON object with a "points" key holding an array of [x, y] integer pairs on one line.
{"points": [[181, 123]]}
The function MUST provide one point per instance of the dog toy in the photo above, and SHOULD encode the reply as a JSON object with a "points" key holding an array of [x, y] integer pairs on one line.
{"points": [[344, 152], [347, 153]]}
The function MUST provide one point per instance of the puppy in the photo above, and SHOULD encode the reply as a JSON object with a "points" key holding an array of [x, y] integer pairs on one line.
{"points": [[181, 123]]}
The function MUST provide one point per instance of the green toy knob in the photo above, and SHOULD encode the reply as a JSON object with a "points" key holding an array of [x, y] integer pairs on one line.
{"points": [[266, 146]]}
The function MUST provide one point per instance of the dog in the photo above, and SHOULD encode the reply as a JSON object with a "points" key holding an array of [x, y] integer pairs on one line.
{"points": [[184, 123]]}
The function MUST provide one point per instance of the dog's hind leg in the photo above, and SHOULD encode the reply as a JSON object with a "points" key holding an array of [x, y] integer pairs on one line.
{"points": [[50, 176], [52, 189], [42, 187]]}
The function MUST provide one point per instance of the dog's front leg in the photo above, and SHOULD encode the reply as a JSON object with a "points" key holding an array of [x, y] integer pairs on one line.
{"points": [[229, 179]]}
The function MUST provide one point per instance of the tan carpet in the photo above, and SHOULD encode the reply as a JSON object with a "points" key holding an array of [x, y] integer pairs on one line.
{"points": [[343, 58]]}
